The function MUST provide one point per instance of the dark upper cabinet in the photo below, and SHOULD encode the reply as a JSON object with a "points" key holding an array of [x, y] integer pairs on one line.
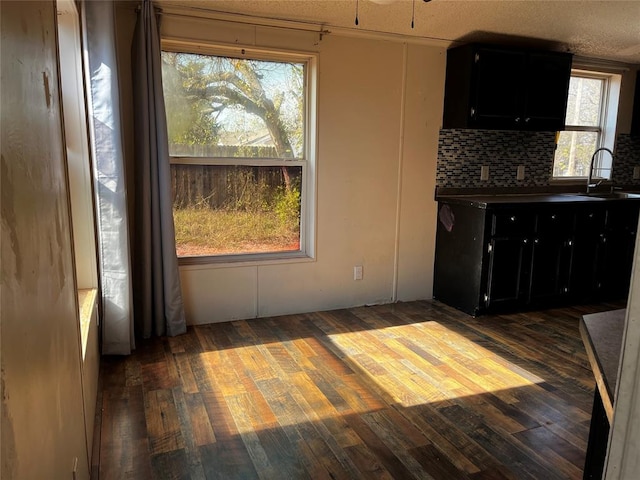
{"points": [[635, 121], [506, 89]]}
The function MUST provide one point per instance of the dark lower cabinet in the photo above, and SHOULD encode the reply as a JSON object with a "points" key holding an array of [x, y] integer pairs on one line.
{"points": [[550, 268], [514, 257], [506, 271]]}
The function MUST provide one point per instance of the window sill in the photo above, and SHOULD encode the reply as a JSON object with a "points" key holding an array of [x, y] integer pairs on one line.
{"points": [[87, 306], [229, 261]]}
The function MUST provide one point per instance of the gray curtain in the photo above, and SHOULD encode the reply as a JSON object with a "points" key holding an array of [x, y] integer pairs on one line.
{"points": [[111, 197], [159, 309]]}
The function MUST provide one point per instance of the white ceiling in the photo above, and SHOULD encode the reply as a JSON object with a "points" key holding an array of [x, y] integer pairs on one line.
{"points": [[607, 29]]}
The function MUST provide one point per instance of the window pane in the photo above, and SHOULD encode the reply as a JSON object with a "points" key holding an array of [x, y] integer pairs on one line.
{"points": [[585, 97], [221, 209], [227, 107], [573, 153]]}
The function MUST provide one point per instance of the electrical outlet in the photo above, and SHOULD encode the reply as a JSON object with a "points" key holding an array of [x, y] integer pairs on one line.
{"points": [[520, 172], [636, 173], [484, 172], [357, 272]]}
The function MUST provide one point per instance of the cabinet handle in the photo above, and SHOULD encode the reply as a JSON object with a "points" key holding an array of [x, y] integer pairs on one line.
{"points": [[486, 298], [553, 217], [565, 289], [526, 120], [512, 218], [489, 248], [517, 119], [570, 243], [536, 241], [525, 241], [473, 112], [477, 57]]}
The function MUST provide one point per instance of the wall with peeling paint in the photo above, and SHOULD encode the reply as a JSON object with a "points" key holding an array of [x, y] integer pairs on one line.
{"points": [[42, 407]]}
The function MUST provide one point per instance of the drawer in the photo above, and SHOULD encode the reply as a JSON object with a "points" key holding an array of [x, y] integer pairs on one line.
{"points": [[512, 223], [555, 222], [591, 219]]}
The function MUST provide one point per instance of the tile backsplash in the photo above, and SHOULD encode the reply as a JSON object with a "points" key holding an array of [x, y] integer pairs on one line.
{"points": [[462, 153], [627, 157]]}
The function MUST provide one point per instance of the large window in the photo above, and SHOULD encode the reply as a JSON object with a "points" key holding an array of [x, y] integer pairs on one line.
{"points": [[590, 124], [241, 141]]}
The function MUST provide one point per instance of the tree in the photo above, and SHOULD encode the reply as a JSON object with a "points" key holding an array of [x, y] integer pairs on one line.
{"points": [[220, 93], [190, 120]]}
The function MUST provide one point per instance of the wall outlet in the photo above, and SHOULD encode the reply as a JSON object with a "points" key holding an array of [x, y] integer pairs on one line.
{"points": [[520, 172], [636, 173], [357, 272], [484, 172]]}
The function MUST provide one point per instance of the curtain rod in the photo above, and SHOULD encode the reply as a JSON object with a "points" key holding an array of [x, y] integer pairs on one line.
{"points": [[243, 19], [279, 23]]}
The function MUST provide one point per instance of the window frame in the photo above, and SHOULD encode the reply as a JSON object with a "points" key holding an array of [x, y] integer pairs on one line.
{"points": [[606, 128], [307, 162]]}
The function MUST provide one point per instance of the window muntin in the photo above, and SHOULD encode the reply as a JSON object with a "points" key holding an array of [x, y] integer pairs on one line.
{"points": [[239, 130], [588, 127]]}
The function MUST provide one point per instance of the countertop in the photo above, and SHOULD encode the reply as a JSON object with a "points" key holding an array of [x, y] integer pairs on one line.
{"points": [[484, 201], [602, 336]]}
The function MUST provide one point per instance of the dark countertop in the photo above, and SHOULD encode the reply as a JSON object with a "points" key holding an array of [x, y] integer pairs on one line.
{"points": [[602, 336], [484, 201]]}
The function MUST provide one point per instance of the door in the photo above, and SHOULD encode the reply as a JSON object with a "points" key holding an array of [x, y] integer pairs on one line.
{"points": [[589, 245], [552, 251], [506, 262], [545, 94], [498, 80]]}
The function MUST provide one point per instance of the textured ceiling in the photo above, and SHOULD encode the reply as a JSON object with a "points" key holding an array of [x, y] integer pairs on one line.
{"points": [[600, 29]]}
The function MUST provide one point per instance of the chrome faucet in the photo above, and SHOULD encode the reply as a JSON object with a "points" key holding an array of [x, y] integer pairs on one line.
{"points": [[590, 183]]}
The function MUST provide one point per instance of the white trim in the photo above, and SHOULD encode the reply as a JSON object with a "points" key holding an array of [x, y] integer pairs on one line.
{"points": [[606, 128], [600, 65], [249, 162], [307, 235], [203, 47], [623, 461]]}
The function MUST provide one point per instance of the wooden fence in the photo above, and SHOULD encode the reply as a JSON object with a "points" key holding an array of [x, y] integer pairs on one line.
{"points": [[228, 186]]}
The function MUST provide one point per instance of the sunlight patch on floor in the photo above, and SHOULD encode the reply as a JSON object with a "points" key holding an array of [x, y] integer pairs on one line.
{"points": [[427, 362]]}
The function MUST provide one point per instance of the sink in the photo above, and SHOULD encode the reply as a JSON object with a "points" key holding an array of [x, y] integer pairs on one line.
{"points": [[612, 195]]}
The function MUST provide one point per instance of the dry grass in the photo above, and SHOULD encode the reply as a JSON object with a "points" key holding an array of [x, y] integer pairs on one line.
{"points": [[202, 231]]}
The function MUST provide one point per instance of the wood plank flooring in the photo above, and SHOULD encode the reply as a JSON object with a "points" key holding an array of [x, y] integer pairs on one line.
{"points": [[411, 390]]}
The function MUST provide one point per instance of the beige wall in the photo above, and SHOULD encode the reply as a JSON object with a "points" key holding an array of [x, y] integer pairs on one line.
{"points": [[625, 107], [380, 110], [380, 106], [42, 406]]}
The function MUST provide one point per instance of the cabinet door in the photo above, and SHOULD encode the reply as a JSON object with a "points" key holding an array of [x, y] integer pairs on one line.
{"points": [[552, 250], [622, 223], [506, 263], [496, 88], [550, 267], [545, 94], [635, 119], [589, 247]]}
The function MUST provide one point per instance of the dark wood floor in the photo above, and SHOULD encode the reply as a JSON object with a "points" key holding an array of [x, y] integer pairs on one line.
{"points": [[411, 390]]}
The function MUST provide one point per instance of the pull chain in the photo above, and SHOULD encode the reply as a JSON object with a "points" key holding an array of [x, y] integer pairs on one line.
{"points": [[413, 12], [357, 2]]}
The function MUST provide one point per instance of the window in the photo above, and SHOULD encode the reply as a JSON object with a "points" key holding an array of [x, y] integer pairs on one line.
{"points": [[241, 140], [590, 124]]}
